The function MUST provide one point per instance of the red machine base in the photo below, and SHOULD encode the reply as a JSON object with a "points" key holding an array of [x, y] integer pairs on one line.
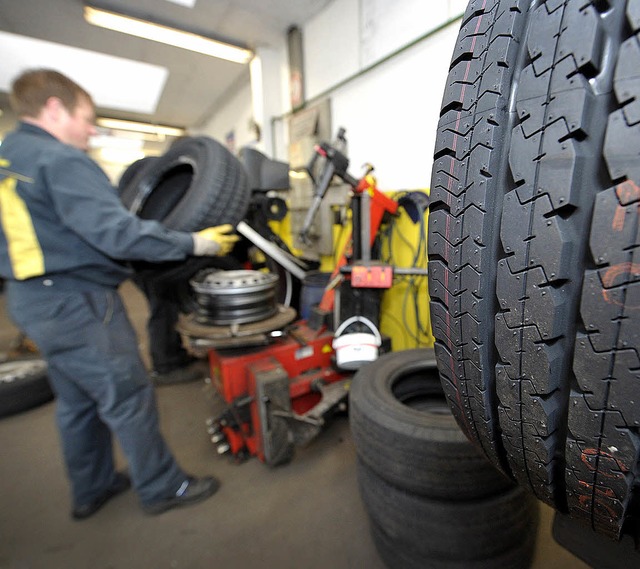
{"points": [[276, 396]]}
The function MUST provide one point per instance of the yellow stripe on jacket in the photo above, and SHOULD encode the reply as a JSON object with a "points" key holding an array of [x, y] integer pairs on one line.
{"points": [[24, 248]]}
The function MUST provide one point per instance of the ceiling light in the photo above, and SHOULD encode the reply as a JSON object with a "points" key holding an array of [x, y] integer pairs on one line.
{"points": [[120, 155], [187, 3], [110, 141], [166, 35], [160, 130]]}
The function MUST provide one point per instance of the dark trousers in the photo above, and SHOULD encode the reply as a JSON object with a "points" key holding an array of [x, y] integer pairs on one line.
{"points": [[101, 386], [165, 344]]}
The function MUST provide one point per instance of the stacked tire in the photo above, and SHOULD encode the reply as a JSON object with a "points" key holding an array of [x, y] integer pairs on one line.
{"points": [[23, 385], [432, 498]]}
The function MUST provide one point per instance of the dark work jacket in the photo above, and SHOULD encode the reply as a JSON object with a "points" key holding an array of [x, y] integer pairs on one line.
{"points": [[60, 215]]}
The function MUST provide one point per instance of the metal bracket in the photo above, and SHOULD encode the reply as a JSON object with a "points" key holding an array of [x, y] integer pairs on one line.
{"points": [[308, 426]]}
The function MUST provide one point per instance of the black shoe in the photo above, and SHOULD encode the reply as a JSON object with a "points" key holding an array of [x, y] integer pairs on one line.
{"points": [[185, 374], [192, 491], [120, 484]]}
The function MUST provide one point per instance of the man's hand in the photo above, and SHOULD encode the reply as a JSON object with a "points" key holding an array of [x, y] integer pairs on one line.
{"points": [[214, 240]]}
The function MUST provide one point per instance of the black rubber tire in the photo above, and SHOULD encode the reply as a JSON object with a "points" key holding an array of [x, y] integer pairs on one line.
{"points": [[403, 557], [473, 533], [196, 184], [533, 227], [133, 170], [23, 386], [403, 429]]}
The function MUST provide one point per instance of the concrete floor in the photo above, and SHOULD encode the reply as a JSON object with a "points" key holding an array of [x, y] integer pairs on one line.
{"points": [[305, 514]]}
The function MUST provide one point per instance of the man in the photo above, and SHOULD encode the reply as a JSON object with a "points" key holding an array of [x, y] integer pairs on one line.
{"points": [[64, 237], [170, 361]]}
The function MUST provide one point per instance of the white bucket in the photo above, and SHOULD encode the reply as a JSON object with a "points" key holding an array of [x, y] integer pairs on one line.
{"points": [[356, 349]]}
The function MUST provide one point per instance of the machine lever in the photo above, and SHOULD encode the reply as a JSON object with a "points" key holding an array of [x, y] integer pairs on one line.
{"points": [[297, 336], [336, 164]]}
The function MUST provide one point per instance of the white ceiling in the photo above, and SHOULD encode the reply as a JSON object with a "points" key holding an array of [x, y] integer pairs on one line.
{"points": [[194, 83], [140, 84]]}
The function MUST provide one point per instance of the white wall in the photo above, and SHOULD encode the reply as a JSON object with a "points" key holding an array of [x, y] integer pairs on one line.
{"points": [[390, 112], [234, 116], [270, 92], [260, 98], [331, 46]]}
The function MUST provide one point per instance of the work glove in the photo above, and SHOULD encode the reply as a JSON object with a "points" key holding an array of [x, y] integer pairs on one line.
{"points": [[214, 241]]}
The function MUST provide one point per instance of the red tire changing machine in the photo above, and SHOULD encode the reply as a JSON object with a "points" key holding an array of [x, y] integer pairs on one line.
{"points": [[278, 397], [277, 378], [275, 381]]}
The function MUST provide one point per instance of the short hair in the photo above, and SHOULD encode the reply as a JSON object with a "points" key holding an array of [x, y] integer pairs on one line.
{"points": [[31, 90]]}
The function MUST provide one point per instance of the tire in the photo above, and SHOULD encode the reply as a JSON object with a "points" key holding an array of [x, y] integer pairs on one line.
{"points": [[196, 184], [133, 170], [396, 557], [23, 386], [404, 431], [450, 534], [533, 224]]}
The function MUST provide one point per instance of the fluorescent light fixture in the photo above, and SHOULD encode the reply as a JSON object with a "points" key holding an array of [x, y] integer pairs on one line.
{"points": [[160, 130], [187, 3], [120, 155], [110, 141], [164, 34]]}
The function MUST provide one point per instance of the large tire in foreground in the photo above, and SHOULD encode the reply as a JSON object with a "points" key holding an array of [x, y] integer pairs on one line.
{"points": [[23, 386], [404, 431], [534, 277]]}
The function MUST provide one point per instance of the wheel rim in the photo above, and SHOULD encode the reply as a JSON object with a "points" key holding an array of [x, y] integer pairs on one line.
{"points": [[234, 297]]}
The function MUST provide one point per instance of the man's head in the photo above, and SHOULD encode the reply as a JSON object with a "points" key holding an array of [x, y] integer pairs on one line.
{"points": [[55, 103]]}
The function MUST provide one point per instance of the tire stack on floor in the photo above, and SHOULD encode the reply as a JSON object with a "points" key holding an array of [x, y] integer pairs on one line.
{"points": [[23, 385], [433, 499]]}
